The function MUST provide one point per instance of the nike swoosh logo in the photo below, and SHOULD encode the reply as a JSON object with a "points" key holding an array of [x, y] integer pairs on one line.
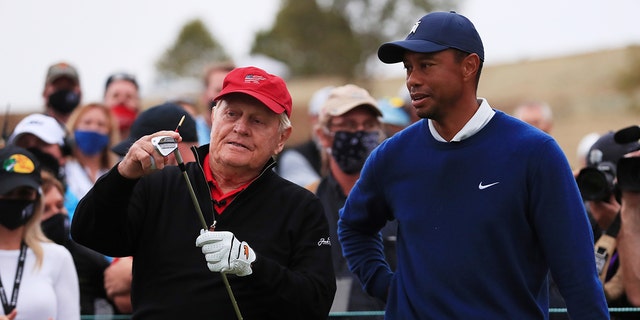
{"points": [[482, 187]]}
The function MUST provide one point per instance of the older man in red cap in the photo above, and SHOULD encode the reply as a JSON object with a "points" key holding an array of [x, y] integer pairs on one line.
{"points": [[271, 237]]}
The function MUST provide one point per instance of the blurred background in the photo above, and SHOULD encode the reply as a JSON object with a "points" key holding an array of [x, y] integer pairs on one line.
{"points": [[581, 57]]}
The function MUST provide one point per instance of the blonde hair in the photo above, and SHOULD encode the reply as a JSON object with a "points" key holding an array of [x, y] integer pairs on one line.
{"points": [[33, 235], [50, 181], [108, 159]]}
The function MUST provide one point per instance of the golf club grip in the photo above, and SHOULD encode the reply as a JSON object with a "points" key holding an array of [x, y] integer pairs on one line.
{"points": [[194, 200]]}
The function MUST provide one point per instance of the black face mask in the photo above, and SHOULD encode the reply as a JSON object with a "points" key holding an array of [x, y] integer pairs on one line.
{"points": [[351, 149], [56, 228], [15, 213], [64, 101]]}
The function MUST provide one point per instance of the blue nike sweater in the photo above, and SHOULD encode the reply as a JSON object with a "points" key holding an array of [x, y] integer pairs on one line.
{"points": [[480, 224]]}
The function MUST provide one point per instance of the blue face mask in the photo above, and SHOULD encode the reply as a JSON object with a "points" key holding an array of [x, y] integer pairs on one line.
{"points": [[90, 142]]}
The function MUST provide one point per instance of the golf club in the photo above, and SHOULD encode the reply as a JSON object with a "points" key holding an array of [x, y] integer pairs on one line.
{"points": [[165, 145]]}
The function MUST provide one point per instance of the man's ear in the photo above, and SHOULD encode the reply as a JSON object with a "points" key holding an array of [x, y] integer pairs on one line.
{"points": [[323, 137], [471, 66], [284, 136]]}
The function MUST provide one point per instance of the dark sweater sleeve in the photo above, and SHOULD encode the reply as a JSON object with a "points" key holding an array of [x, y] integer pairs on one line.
{"points": [[100, 219], [565, 235], [364, 214]]}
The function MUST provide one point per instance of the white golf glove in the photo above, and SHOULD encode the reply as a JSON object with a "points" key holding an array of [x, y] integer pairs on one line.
{"points": [[225, 253]]}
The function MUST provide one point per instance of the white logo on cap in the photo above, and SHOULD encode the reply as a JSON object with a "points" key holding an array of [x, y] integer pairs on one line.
{"points": [[250, 78], [415, 27]]}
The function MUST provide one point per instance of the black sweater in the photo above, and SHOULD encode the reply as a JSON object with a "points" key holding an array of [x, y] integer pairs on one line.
{"points": [[153, 219]]}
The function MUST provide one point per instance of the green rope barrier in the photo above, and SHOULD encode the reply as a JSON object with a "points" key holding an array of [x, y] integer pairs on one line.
{"points": [[359, 314], [356, 314]]}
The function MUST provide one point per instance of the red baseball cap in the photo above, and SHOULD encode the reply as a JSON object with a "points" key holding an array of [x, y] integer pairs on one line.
{"points": [[268, 88]]}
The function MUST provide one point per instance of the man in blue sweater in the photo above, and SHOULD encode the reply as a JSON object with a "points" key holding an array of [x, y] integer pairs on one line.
{"points": [[486, 204]]}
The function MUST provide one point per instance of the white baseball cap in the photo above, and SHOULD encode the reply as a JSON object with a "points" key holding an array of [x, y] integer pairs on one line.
{"points": [[47, 128], [318, 99], [345, 98]]}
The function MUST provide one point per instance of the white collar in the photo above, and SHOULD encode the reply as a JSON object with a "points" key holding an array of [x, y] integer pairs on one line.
{"points": [[475, 124]]}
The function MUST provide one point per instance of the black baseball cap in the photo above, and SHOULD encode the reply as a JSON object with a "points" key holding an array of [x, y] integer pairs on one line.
{"points": [[162, 117], [606, 149], [18, 168]]}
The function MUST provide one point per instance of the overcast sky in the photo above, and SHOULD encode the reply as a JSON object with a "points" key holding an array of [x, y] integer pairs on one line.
{"points": [[100, 37]]}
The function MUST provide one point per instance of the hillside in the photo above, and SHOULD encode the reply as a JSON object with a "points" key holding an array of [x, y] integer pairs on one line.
{"points": [[580, 89]]}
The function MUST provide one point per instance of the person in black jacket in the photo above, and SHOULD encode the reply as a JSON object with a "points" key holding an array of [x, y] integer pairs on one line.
{"points": [[349, 128], [271, 238]]}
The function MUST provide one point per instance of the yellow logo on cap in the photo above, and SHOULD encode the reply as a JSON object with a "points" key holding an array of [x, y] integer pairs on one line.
{"points": [[18, 163]]}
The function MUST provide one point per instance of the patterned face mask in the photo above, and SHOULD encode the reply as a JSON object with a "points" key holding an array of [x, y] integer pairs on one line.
{"points": [[351, 149]]}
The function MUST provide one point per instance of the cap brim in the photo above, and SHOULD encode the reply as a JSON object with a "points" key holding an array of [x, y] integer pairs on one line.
{"points": [[355, 104], [47, 138], [57, 76], [270, 103], [12, 182], [393, 52], [122, 148]]}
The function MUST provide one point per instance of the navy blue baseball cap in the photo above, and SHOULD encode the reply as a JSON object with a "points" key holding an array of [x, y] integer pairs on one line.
{"points": [[435, 32]]}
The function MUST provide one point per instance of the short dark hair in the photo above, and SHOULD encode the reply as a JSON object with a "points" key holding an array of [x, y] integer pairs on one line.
{"points": [[121, 76], [225, 66]]}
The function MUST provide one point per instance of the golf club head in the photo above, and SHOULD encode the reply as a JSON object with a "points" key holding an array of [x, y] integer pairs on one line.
{"points": [[164, 144]]}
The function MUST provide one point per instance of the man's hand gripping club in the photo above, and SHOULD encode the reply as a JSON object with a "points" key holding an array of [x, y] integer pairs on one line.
{"points": [[225, 253]]}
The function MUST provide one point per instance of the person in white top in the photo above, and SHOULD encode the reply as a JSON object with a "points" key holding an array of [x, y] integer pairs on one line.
{"points": [[38, 279], [94, 130]]}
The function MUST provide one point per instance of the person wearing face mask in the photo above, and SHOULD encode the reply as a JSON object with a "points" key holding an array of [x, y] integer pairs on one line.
{"points": [[55, 219], [62, 92], [89, 265], [117, 277], [38, 277], [64, 101], [94, 130], [349, 128], [41, 132], [122, 96]]}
